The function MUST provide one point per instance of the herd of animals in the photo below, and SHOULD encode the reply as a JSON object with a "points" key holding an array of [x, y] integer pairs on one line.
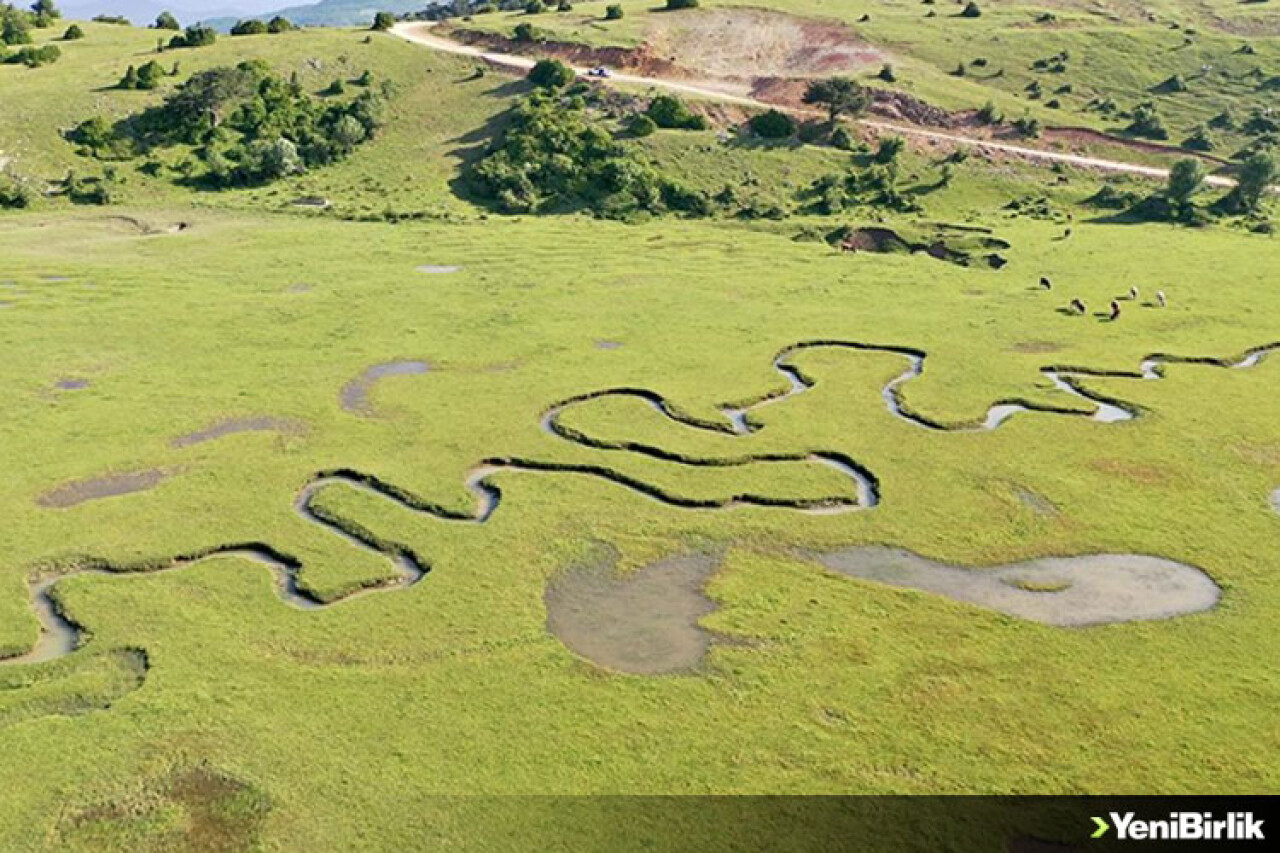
{"points": [[1077, 306]]}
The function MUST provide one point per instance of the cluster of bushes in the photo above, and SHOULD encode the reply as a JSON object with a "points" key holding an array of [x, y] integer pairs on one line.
{"points": [[257, 27], [871, 181], [197, 35], [146, 76], [246, 124], [553, 155], [1177, 201], [34, 57]]}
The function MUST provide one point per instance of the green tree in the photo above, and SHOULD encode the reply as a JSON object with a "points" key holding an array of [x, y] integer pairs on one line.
{"points": [[14, 27], [838, 96], [383, 21], [1186, 178], [280, 24], [971, 10], [534, 7], [613, 12], [1257, 174], [73, 33], [551, 74], [45, 13], [674, 5], [166, 21]]}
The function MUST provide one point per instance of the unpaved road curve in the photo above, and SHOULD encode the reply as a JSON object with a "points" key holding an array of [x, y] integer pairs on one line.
{"points": [[420, 34]]}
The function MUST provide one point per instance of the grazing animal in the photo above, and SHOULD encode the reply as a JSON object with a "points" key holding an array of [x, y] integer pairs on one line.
{"points": [[1160, 300], [1133, 293], [1045, 283], [1078, 306], [1115, 311]]}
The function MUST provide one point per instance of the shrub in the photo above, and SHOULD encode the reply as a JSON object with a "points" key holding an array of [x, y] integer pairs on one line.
{"points": [[613, 12], [843, 139], [670, 112], [118, 20], [886, 73], [1145, 122], [524, 32], [988, 114], [889, 149], [14, 193], [166, 21], [1200, 140], [383, 21], [251, 27], [971, 10], [675, 5], [551, 74], [564, 6], [1027, 126], [280, 24], [534, 7], [773, 125], [73, 33], [641, 125]]}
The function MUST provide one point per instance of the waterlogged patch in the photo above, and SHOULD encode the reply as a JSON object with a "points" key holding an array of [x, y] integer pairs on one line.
{"points": [[355, 394], [97, 488], [189, 808], [644, 623], [70, 686], [1063, 591], [232, 426]]}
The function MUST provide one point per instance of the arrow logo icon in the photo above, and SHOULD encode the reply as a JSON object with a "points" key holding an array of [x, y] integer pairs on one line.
{"points": [[1102, 828]]}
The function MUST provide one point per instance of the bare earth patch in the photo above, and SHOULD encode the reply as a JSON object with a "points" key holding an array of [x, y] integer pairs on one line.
{"points": [[738, 43], [96, 488], [644, 623], [1063, 591]]}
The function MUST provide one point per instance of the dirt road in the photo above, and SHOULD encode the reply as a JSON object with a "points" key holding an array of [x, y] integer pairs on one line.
{"points": [[421, 34]]}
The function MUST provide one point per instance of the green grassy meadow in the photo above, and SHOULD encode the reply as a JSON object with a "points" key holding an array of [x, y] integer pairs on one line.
{"points": [[203, 712]]}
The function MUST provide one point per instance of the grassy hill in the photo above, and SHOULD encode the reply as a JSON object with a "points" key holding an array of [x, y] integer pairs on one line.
{"points": [[1189, 60]]}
